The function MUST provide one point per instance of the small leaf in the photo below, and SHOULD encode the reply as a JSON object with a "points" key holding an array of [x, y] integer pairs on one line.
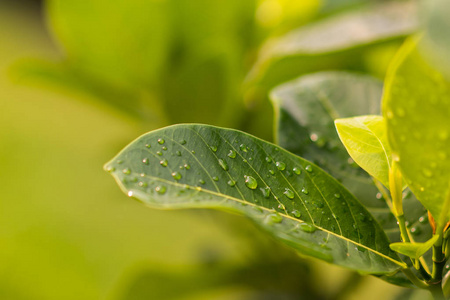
{"points": [[310, 211], [418, 129], [414, 250], [365, 139]]}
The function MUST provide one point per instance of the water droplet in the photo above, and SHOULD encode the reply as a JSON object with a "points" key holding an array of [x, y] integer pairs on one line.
{"points": [[309, 168], [160, 189], [296, 213], [289, 193], [268, 159], [231, 154], [314, 137], [164, 148], [274, 218], [126, 171], [427, 173], [337, 196], [423, 219], [176, 175], [318, 204], [178, 153], [231, 182], [183, 142], [110, 169], [215, 178], [395, 157], [201, 181], [198, 188], [250, 182], [161, 141], [280, 165], [148, 145], [272, 172], [379, 195], [145, 161], [307, 227], [276, 149], [223, 164], [193, 151], [130, 193], [244, 160], [187, 166], [142, 184], [159, 153], [266, 192], [416, 230], [305, 191], [119, 161], [281, 206], [243, 147], [163, 162], [214, 148], [250, 158], [297, 170]]}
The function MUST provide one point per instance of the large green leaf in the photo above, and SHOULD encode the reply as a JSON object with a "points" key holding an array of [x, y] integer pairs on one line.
{"points": [[305, 111], [365, 139], [416, 105], [337, 42], [199, 166]]}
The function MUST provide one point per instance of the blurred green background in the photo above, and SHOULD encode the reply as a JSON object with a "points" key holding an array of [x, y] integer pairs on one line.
{"points": [[102, 74]]}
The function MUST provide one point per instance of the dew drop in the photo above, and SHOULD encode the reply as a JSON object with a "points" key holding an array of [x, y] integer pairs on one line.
{"points": [[422, 219], [379, 195], [213, 148], [110, 169], [274, 218], [223, 164], [250, 182], [159, 153], [148, 145], [243, 147], [215, 178], [318, 204], [178, 153], [201, 181], [187, 166], [176, 175], [281, 206], [305, 227], [337, 196], [297, 170], [119, 161], [126, 171], [268, 159], [395, 157], [231, 182], [266, 192], [280, 165], [296, 213], [160, 189], [289, 193], [272, 172], [232, 154], [314, 137], [163, 162], [305, 191], [161, 141], [183, 142], [164, 148], [416, 230], [130, 193], [193, 151], [145, 161], [142, 184], [309, 168]]}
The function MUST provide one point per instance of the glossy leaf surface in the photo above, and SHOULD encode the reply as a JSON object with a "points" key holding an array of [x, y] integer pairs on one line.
{"points": [[365, 139], [416, 105], [199, 166]]}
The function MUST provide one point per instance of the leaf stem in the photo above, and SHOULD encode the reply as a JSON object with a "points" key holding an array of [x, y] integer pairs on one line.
{"points": [[403, 231], [416, 281]]}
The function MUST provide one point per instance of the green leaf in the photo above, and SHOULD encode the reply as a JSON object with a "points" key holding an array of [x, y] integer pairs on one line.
{"points": [[414, 250], [418, 129], [365, 139], [334, 43], [200, 166]]}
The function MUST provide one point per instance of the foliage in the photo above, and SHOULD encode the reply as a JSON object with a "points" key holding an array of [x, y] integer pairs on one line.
{"points": [[343, 173]]}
